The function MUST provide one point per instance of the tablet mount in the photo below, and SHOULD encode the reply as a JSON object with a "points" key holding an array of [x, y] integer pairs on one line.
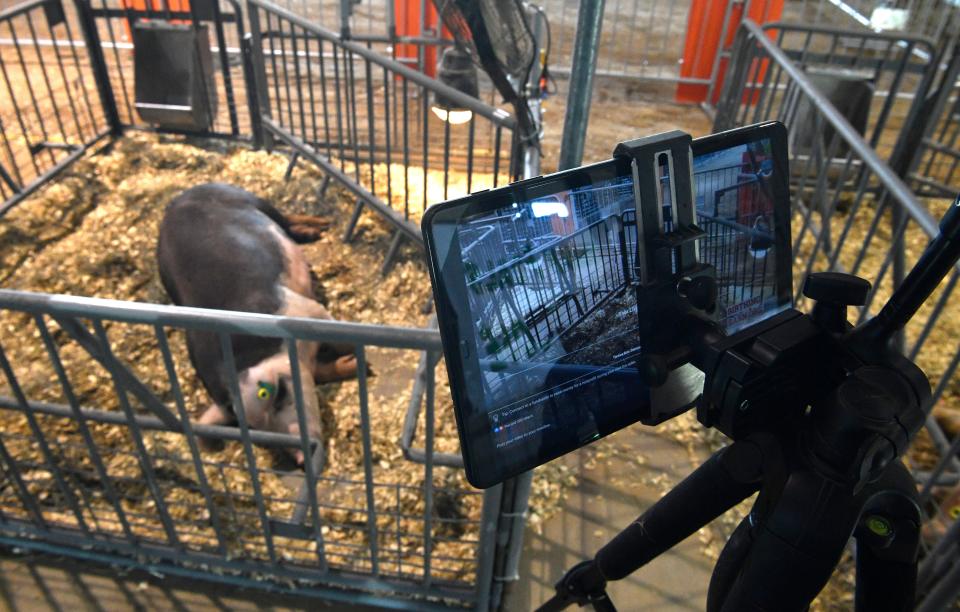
{"points": [[819, 413]]}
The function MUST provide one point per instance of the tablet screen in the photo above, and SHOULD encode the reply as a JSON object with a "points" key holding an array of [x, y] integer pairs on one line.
{"points": [[536, 294]]}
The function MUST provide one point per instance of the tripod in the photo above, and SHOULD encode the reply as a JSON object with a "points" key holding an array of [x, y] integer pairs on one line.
{"points": [[819, 414]]}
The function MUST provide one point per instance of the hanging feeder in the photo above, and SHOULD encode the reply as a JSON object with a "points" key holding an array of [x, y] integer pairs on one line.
{"points": [[173, 71]]}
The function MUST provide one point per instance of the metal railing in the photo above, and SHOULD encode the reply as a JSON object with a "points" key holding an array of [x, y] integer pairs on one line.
{"points": [[934, 169], [366, 120], [852, 213], [51, 114], [878, 81], [99, 452]]}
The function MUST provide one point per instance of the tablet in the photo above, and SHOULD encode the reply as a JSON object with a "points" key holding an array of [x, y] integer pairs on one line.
{"points": [[537, 305]]}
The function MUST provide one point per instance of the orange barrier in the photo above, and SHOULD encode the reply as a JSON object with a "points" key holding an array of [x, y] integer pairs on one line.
{"points": [[407, 14], [159, 6], [704, 28]]}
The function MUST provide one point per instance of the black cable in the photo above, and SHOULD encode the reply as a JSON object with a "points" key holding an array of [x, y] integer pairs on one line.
{"points": [[545, 74]]}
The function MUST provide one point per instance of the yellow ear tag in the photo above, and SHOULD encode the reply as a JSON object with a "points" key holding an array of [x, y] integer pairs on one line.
{"points": [[265, 390], [955, 512]]}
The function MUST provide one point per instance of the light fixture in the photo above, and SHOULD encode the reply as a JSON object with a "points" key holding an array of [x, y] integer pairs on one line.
{"points": [[456, 70]]}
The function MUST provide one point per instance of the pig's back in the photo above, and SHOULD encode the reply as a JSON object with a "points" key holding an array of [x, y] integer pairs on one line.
{"points": [[218, 250]]}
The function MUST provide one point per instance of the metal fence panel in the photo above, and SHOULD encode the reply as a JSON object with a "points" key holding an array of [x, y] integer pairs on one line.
{"points": [[368, 121], [99, 453], [853, 214], [51, 113]]}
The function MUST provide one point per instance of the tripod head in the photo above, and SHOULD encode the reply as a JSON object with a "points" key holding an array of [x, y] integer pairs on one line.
{"points": [[819, 412]]}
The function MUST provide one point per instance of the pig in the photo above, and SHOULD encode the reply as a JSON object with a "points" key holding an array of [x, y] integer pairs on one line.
{"points": [[222, 247]]}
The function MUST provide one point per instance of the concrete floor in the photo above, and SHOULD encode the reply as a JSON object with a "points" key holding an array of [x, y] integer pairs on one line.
{"points": [[611, 494]]}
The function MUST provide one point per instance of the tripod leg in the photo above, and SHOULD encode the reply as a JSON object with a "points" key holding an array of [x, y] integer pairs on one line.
{"points": [[728, 566], [725, 479], [795, 547], [888, 541]]}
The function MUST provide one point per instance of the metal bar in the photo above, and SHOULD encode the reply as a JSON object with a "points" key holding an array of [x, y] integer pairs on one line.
{"points": [[371, 138], [718, 52], [428, 475], [19, 115], [218, 20], [310, 470], [23, 493], [944, 593], [46, 80], [390, 257], [310, 87], [580, 93], [367, 459], [225, 321], [425, 97], [274, 74], [218, 432], [98, 64], [108, 83], [286, 78], [406, 151], [387, 125]]}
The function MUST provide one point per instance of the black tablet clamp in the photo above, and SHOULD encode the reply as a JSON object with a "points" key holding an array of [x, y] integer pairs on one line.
{"points": [[819, 413]]}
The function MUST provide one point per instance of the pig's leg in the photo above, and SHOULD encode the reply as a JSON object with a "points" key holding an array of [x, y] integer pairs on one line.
{"points": [[300, 228], [341, 368], [306, 228], [330, 361], [214, 415]]}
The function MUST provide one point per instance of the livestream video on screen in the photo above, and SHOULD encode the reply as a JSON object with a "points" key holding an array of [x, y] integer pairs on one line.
{"points": [[551, 294]]}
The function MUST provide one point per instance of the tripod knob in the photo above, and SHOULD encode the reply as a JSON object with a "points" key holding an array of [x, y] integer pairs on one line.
{"points": [[837, 288], [833, 292]]}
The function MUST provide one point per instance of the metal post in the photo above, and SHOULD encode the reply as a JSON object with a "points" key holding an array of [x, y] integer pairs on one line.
{"points": [[253, 88], [513, 519], [259, 100], [581, 83], [346, 8], [99, 65]]}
